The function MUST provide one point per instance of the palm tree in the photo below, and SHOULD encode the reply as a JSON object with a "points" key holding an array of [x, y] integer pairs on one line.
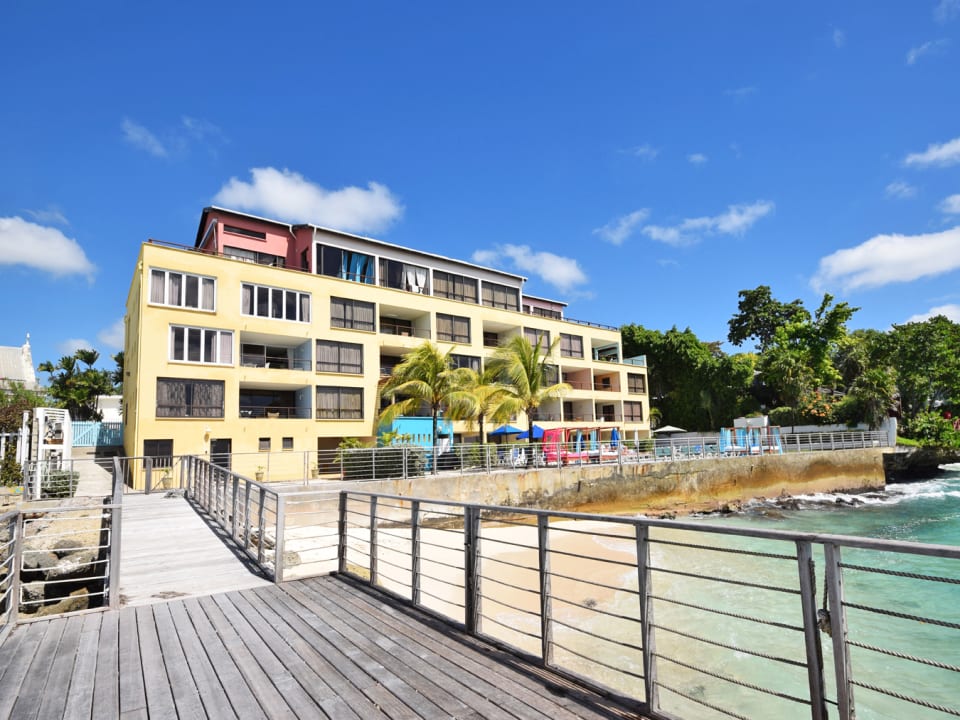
{"points": [[488, 394], [427, 376], [525, 373]]}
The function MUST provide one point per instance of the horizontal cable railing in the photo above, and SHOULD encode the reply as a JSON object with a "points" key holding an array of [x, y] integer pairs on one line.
{"points": [[691, 620], [10, 532]]}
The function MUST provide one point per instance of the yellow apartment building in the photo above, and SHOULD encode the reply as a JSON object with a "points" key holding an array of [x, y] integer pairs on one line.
{"points": [[265, 337]]}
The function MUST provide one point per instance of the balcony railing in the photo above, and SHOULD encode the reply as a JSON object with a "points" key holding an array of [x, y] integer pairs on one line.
{"points": [[274, 413], [389, 328], [253, 361]]}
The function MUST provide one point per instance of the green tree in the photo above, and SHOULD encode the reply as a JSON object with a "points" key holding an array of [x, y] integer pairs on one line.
{"points": [[925, 357], [426, 376], [116, 375], [525, 372], [759, 316], [75, 388], [488, 394]]}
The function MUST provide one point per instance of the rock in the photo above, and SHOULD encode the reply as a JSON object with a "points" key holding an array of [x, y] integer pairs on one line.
{"points": [[178, 493], [77, 600]]}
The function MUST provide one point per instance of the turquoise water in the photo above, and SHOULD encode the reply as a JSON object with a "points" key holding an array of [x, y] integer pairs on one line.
{"points": [[927, 512]]}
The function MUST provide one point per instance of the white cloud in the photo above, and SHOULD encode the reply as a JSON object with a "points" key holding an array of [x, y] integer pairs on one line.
{"points": [[697, 158], [44, 248], [112, 336], [140, 137], [839, 38], [900, 189], [561, 272], [951, 205], [945, 154], [200, 129], [951, 312], [931, 47], [741, 92], [886, 259], [735, 221], [619, 229], [645, 151], [71, 345], [946, 10], [289, 196], [50, 216]]}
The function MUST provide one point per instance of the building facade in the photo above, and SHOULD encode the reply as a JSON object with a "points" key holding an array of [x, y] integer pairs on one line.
{"points": [[265, 336]]}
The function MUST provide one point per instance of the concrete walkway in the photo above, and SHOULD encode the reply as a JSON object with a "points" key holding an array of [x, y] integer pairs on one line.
{"points": [[168, 550]]}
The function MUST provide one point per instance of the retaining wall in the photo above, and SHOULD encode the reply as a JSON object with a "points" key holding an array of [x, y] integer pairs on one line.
{"points": [[669, 486]]}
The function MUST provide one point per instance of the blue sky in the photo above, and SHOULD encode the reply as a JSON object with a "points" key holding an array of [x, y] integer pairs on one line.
{"points": [[643, 162]]}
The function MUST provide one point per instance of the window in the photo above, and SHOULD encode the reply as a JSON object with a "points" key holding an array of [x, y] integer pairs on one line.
{"points": [[571, 346], [243, 231], [636, 384], [287, 443], [339, 403], [272, 302], [465, 361], [551, 374], [161, 451], [345, 264], [352, 314], [535, 334], [253, 256], [491, 339], [404, 276], [266, 356], [455, 287], [453, 328], [339, 357], [189, 398], [201, 345], [542, 312], [264, 445], [182, 290], [633, 411], [501, 296]]}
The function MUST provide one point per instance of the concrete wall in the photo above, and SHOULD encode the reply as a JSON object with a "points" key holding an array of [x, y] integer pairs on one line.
{"points": [[666, 486]]}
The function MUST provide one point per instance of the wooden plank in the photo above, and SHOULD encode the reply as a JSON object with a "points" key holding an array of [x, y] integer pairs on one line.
{"points": [[133, 694], [106, 691], [300, 703], [216, 705], [418, 672], [30, 692], [186, 695], [159, 694], [54, 700], [79, 702], [515, 679], [242, 700], [316, 653], [254, 678]]}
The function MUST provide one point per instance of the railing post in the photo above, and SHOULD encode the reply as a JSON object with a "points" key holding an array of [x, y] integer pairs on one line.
{"points": [[811, 632], [278, 538], [471, 567], [833, 577], [148, 473], [644, 584], [15, 569], [182, 461], [415, 553], [246, 514], [373, 541], [546, 594], [342, 533], [233, 505], [261, 524]]}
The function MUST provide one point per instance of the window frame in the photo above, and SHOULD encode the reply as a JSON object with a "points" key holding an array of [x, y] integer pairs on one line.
{"points": [[184, 290], [340, 346], [453, 336], [631, 377], [338, 413], [269, 295], [566, 351], [628, 415], [219, 336], [351, 323], [189, 407]]}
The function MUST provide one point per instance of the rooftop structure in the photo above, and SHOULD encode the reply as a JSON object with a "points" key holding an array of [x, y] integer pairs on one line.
{"points": [[16, 366]]}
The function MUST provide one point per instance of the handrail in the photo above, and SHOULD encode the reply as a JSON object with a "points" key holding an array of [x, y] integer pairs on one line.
{"points": [[519, 576]]}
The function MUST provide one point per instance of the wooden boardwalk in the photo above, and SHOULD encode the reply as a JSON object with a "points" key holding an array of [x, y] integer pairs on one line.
{"points": [[325, 647], [168, 550]]}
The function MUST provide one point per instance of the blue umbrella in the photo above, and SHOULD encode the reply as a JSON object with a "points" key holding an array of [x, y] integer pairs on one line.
{"points": [[537, 433], [505, 430], [614, 437]]}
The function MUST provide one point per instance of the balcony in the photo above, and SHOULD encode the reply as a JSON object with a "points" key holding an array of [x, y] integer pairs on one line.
{"points": [[403, 329], [274, 353], [274, 412]]}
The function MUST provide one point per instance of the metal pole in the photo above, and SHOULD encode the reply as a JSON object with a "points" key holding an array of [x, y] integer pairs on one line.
{"points": [[471, 568], [373, 541], [546, 594], [645, 587], [838, 630], [148, 469], [415, 553], [278, 544], [15, 569], [811, 634], [342, 533]]}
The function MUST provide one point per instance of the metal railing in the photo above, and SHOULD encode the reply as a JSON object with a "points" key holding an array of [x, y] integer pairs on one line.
{"points": [[688, 620], [9, 569], [249, 511], [389, 328]]}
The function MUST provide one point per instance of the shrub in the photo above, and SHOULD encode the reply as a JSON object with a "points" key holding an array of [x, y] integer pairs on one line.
{"points": [[931, 428], [11, 473], [783, 415]]}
